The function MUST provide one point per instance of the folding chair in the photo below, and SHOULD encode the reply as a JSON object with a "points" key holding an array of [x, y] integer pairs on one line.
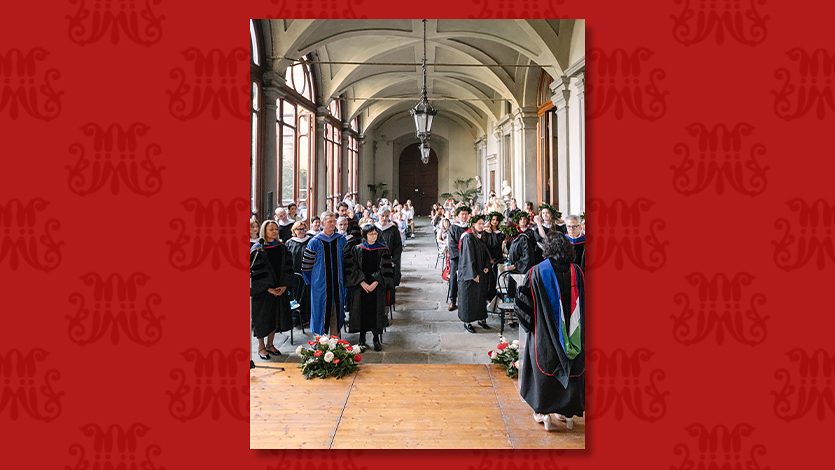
{"points": [[505, 304], [441, 254]]}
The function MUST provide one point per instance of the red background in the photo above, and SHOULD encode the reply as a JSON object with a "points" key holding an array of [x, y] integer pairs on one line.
{"points": [[161, 380]]}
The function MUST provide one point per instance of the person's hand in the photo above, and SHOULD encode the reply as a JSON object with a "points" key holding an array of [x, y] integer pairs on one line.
{"points": [[476, 279], [373, 286], [537, 220], [280, 290], [511, 267], [486, 270], [273, 291], [364, 286]]}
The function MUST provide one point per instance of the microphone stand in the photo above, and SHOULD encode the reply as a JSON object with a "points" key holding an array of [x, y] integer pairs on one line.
{"points": [[252, 364]]}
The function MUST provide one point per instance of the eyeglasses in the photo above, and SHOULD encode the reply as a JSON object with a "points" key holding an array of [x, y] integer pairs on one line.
{"points": [[572, 226], [300, 228]]}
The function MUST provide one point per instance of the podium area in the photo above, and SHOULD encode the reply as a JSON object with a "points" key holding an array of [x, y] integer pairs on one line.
{"points": [[398, 406]]}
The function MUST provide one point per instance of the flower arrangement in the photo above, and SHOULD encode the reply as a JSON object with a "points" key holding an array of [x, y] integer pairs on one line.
{"points": [[507, 354], [328, 356]]}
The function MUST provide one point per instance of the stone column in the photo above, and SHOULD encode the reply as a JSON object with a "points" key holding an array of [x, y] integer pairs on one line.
{"points": [[319, 188], [580, 84], [360, 168], [344, 177], [526, 181], [560, 168], [272, 93], [499, 163]]}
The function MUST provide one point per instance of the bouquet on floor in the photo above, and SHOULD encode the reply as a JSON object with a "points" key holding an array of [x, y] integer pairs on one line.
{"points": [[328, 356], [507, 354]]}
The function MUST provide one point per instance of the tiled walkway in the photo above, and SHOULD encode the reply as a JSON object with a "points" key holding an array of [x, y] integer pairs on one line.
{"points": [[423, 331]]}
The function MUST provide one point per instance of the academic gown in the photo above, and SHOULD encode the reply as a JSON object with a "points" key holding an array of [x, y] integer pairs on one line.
{"points": [[520, 255], [550, 381], [271, 268], [494, 247], [323, 272], [285, 231], [452, 239], [390, 236], [473, 258], [296, 247], [368, 263], [579, 250], [534, 245]]}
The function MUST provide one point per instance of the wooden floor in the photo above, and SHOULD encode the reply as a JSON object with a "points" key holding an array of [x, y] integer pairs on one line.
{"points": [[398, 406]]}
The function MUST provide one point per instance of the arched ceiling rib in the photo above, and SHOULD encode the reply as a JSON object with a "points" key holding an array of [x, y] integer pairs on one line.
{"points": [[488, 42]]}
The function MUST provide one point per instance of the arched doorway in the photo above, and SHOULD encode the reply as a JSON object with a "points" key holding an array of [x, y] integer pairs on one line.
{"points": [[418, 182]]}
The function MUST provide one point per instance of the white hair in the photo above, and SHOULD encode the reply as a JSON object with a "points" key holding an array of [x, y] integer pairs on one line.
{"points": [[572, 217], [384, 210]]}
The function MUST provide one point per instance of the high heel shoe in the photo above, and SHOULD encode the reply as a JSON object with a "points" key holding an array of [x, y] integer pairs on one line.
{"points": [[264, 357], [569, 422], [538, 418], [549, 424], [273, 350], [377, 345]]}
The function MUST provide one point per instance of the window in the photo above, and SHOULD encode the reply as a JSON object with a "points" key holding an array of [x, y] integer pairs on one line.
{"points": [[253, 38], [299, 79], [544, 164], [333, 163], [256, 124]]}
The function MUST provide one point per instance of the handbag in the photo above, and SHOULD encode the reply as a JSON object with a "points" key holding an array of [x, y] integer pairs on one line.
{"points": [[445, 272]]}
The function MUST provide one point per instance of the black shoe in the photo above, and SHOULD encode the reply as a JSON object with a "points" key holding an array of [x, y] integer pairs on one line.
{"points": [[273, 350], [377, 346], [452, 307], [512, 324], [264, 357], [484, 325], [469, 327]]}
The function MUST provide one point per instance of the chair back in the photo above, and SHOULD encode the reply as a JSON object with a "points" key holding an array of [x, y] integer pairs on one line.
{"points": [[503, 283]]}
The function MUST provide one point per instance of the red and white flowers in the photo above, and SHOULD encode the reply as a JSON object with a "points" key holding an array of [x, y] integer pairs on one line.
{"points": [[328, 356], [507, 354]]}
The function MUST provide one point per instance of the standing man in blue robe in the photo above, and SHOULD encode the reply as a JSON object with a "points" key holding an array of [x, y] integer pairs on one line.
{"points": [[322, 270]]}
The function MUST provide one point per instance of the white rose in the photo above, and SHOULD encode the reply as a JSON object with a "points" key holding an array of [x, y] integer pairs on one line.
{"points": [[332, 344], [299, 350], [516, 341], [356, 349], [328, 356], [323, 340], [513, 346], [493, 354]]}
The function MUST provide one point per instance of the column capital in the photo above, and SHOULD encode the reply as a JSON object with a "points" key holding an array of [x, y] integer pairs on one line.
{"points": [[580, 83], [272, 94], [321, 115], [272, 78], [561, 92]]}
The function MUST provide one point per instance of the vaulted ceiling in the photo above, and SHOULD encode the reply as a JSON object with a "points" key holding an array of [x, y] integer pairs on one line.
{"points": [[476, 93]]}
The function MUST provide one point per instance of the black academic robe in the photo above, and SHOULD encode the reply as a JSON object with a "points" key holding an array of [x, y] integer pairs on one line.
{"points": [[271, 268], [301, 290], [452, 239], [473, 259], [285, 232], [494, 247], [369, 264], [550, 382], [521, 256], [534, 244], [391, 238]]}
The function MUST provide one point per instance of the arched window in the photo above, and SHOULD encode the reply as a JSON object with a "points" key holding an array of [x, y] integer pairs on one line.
{"points": [[256, 124], [296, 142], [253, 38], [546, 180], [298, 78]]}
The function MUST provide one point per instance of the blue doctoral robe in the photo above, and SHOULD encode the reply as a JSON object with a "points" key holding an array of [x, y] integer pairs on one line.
{"points": [[315, 275]]}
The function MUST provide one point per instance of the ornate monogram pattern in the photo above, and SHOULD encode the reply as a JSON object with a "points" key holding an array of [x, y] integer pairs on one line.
{"points": [[815, 391], [720, 158], [343, 9], [810, 237], [518, 9], [213, 233], [24, 390], [114, 159], [626, 233], [620, 385], [23, 238], [115, 448], [133, 18], [218, 80], [24, 90], [720, 447], [720, 306], [214, 383], [728, 17], [620, 80], [815, 89], [115, 308]]}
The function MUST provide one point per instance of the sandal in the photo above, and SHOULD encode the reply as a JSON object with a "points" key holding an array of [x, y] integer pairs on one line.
{"points": [[273, 350], [264, 357]]}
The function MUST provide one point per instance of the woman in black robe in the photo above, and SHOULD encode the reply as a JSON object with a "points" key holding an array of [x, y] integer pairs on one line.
{"points": [[296, 245], [473, 275], [368, 274], [494, 239], [552, 373], [271, 270], [520, 258]]}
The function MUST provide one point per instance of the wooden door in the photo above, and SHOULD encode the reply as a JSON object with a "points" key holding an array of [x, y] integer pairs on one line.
{"points": [[418, 182]]}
